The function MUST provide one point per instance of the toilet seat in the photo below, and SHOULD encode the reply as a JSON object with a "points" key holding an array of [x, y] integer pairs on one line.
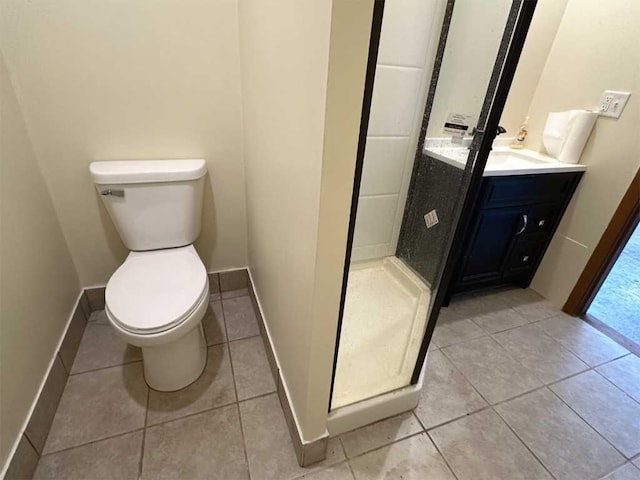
{"points": [[153, 291]]}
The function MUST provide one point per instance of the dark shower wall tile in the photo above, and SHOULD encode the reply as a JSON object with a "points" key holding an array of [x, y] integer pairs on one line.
{"points": [[436, 186]]}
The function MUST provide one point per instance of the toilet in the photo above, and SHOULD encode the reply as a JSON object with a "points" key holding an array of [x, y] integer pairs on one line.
{"points": [[158, 297]]}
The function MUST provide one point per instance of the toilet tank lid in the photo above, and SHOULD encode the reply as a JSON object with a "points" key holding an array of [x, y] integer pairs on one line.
{"points": [[146, 171]]}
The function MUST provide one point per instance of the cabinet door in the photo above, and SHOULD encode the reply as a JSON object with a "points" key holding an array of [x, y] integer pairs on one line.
{"points": [[490, 241]]}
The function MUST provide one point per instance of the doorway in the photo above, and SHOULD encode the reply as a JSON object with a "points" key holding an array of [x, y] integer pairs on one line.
{"points": [[617, 303], [607, 294]]}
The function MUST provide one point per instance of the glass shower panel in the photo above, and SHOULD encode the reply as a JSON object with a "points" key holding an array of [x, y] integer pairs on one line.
{"points": [[387, 300]]}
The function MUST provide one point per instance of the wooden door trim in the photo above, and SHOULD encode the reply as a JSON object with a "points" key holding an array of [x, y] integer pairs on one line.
{"points": [[613, 240]]}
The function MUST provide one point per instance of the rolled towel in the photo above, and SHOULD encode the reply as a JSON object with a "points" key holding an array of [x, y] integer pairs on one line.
{"points": [[566, 133]]}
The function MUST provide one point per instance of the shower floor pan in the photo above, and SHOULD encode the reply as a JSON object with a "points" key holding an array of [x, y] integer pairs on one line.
{"points": [[384, 317]]}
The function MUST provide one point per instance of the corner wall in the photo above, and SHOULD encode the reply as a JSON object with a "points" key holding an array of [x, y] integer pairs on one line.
{"points": [[303, 69], [39, 285], [544, 26], [135, 79], [596, 48]]}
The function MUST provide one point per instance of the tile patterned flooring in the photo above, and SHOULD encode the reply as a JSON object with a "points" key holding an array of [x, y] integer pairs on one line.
{"points": [[514, 389]]}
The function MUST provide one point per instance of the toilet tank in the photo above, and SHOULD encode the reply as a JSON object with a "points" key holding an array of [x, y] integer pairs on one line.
{"points": [[154, 204]]}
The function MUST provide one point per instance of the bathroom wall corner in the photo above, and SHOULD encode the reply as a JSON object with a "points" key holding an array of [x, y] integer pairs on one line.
{"points": [[45, 409], [95, 297], [73, 336], [306, 453], [273, 365]]}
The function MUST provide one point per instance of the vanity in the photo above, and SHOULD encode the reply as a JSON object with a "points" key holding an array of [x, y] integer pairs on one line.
{"points": [[517, 210]]}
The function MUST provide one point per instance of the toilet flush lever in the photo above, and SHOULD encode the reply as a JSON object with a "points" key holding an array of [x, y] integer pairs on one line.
{"points": [[115, 193]]}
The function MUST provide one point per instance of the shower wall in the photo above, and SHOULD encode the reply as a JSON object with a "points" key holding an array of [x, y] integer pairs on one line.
{"points": [[403, 72]]}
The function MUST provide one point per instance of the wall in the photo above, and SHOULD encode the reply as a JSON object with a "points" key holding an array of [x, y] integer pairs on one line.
{"points": [[130, 80], [39, 285], [303, 76], [595, 49], [409, 34], [542, 32]]}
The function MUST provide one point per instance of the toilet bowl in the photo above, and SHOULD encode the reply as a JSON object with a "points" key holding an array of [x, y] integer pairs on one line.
{"points": [[158, 297], [156, 300]]}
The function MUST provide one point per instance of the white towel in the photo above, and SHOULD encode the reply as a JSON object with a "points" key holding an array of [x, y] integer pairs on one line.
{"points": [[566, 133]]}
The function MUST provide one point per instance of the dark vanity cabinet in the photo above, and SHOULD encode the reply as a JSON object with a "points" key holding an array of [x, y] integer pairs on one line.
{"points": [[510, 228]]}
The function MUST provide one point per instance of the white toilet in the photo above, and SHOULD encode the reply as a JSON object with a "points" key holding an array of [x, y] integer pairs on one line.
{"points": [[157, 298]]}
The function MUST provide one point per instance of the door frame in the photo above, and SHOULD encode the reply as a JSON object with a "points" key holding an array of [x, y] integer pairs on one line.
{"points": [[520, 31], [370, 75], [613, 240]]}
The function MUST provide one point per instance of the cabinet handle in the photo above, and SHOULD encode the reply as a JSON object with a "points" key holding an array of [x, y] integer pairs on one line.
{"points": [[525, 222]]}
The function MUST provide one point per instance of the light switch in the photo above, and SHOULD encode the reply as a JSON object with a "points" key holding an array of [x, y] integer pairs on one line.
{"points": [[612, 103]]}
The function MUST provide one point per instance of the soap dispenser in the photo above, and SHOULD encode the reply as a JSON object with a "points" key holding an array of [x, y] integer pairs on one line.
{"points": [[518, 144]]}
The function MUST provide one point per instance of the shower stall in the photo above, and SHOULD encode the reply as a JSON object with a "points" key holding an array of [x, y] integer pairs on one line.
{"points": [[437, 79]]}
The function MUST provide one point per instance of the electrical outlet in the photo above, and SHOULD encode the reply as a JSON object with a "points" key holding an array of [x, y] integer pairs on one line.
{"points": [[612, 103], [431, 218]]}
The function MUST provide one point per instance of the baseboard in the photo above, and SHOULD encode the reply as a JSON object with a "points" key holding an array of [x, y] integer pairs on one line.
{"points": [[307, 453], [29, 444], [28, 447]]}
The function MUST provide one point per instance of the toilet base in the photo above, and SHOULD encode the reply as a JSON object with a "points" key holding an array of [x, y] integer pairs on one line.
{"points": [[176, 364]]}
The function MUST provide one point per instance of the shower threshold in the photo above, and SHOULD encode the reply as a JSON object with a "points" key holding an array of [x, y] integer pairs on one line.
{"points": [[383, 323]]}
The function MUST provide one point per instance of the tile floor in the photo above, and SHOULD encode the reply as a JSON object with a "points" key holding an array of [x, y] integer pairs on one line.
{"points": [[514, 389]]}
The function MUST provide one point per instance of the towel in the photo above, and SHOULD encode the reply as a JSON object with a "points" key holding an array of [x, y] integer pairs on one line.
{"points": [[566, 133]]}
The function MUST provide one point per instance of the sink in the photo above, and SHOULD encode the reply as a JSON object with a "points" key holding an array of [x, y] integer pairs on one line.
{"points": [[504, 161]]}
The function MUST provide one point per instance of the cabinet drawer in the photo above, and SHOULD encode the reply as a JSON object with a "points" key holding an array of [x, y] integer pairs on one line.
{"points": [[542, 218], [527, 189], [524, 255]]}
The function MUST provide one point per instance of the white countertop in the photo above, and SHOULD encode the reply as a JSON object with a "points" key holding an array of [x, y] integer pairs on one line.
{"points": [[502, 161]]}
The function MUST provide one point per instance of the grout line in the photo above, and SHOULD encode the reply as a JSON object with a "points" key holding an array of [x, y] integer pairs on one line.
{"points": [[348, 462], [144, 434], [132, 362], [244, 338], [244, 443], [464, 376], [441, 453], [110, 437], [24, 434], [589, 424], [386, 445], [237, 403], [523, 442], [188, 415], [64, 367], [237, 398], [244, 400], [627, 462], [430, 429]]}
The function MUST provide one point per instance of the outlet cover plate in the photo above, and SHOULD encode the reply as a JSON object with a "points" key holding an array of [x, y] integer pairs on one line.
{"points": [[612, 103]]}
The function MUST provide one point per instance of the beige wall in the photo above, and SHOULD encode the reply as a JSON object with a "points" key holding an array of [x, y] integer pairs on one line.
{"points": [[596, 48], [138, 79], [300, 144], [348, 55], [38, 283], [542, 32]]}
